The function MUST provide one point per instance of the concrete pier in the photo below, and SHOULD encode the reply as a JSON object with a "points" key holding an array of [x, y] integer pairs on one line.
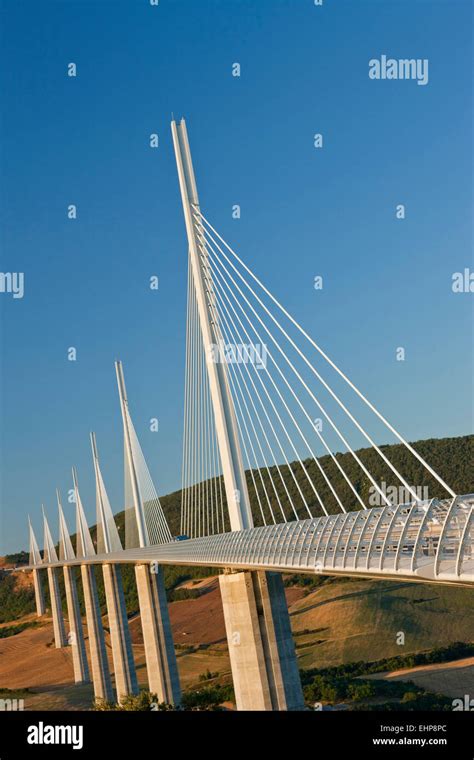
{"points": [[39, 593], [261, 647], [60, 639], [163, 678], [122, 653], [100, 670], [76, 632]]}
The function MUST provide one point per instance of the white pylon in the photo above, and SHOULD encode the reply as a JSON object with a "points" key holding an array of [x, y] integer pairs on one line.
{"points": [[105, 518], [224, 414], [50, 554], [66, 552], [137, 497], [35, 556], [84, 545]]}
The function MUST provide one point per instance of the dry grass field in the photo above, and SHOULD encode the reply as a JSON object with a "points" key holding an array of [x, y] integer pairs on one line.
{"points": [[341, 621]]}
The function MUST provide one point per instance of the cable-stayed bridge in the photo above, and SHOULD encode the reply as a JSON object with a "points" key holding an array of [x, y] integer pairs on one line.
{"points": [[263, 401], [425, 542]]}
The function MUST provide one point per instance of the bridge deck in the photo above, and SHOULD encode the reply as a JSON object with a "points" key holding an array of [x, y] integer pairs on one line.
{"points": [[430, 541]]}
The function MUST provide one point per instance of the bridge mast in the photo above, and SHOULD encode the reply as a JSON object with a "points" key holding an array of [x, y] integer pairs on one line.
{"points": [[162, 669], [261, 648], [225, 421], [137, 498]]}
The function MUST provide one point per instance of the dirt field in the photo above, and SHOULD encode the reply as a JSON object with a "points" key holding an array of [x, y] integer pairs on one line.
{"points": [[30, 659]]}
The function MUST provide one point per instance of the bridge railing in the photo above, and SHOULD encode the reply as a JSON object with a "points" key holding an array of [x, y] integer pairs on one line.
{"points": [[423, 541]]}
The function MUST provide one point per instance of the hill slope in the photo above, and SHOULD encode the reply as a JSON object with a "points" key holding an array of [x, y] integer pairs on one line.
{"points": [[350, 620], [451, 458]]}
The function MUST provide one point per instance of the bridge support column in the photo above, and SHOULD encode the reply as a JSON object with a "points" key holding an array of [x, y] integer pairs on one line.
{"points": [[163, 678], [39, 594], [98, 653], [261, 647], [60, 639], [76, 632], [122, 653]]}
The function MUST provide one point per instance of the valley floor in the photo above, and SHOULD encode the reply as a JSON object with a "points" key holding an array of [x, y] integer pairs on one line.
{"points": [[337, 622]]}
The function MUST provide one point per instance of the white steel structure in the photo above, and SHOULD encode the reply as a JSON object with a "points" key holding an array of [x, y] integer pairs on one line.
{"points": [[140, 494], [429, 542], [226, 426]]}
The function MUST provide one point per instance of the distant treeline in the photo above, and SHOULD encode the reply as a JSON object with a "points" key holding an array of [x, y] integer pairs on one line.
{"points": [[458, 650], [451, 458], [343, 683]]}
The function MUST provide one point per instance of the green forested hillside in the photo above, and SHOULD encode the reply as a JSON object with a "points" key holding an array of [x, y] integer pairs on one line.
{"points": [[451, 458]]}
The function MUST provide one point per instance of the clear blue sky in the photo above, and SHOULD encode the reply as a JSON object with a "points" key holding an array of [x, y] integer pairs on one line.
{"points": [[304, 69]]}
